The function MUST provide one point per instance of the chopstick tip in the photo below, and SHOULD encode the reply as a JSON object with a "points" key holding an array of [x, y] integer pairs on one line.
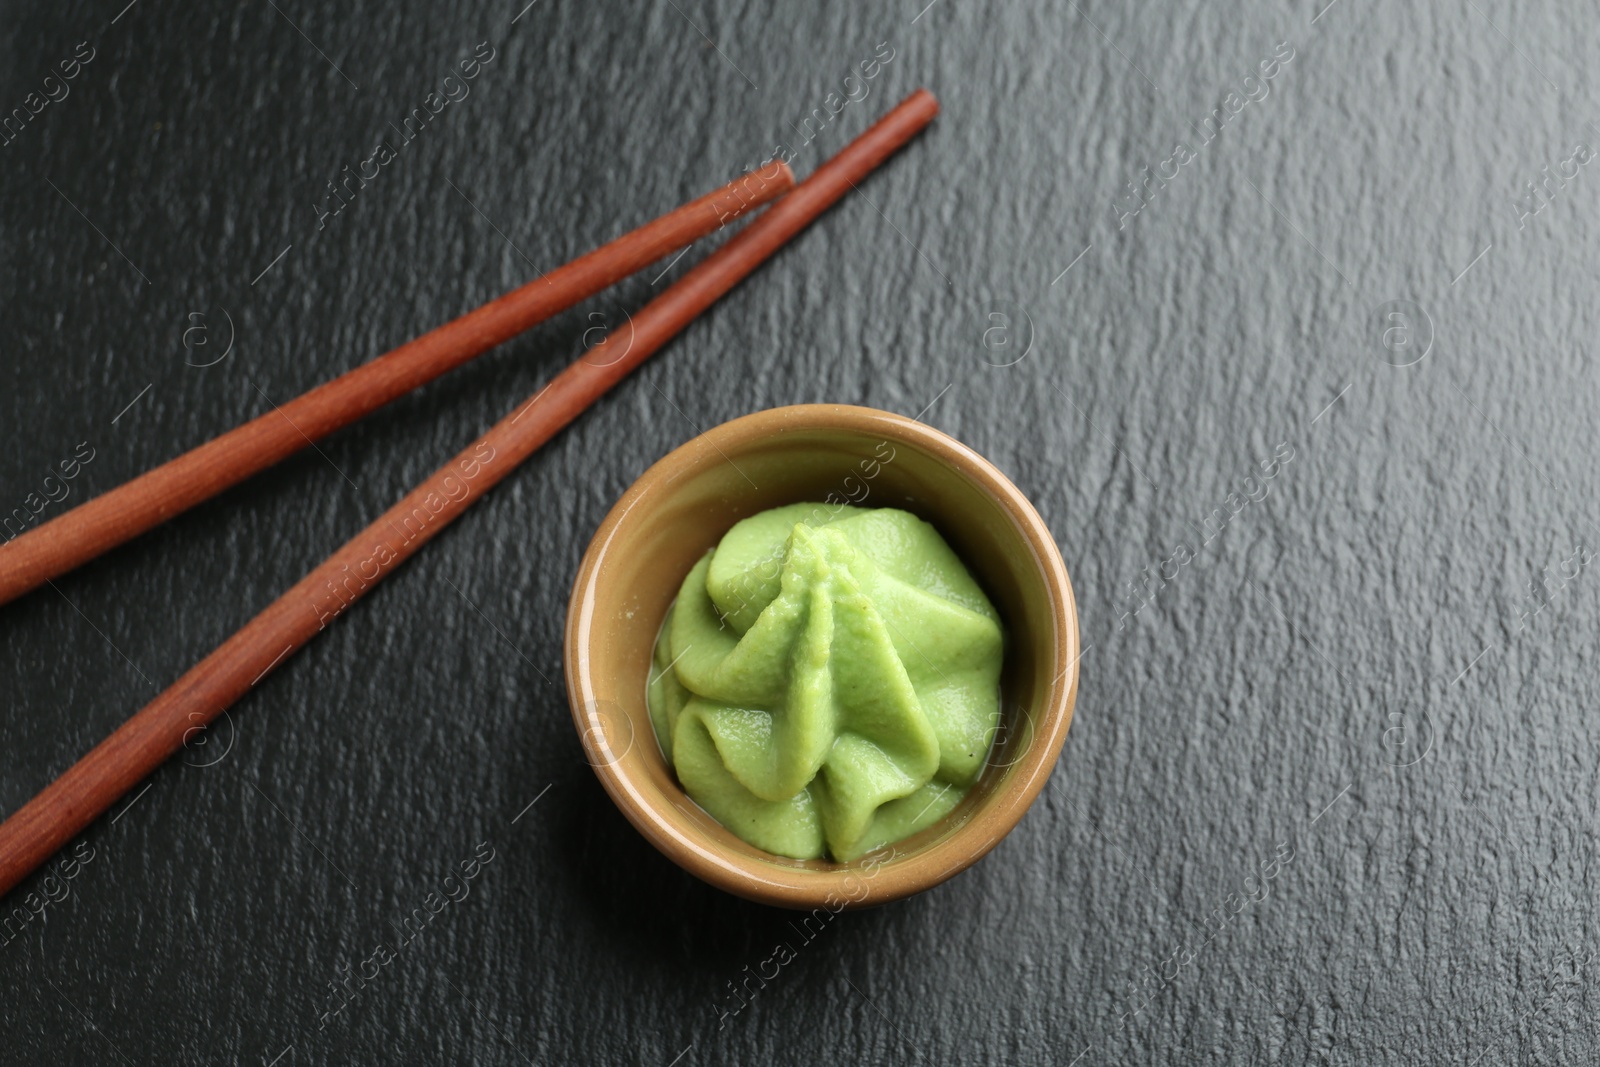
{"points": [[785, 174]]}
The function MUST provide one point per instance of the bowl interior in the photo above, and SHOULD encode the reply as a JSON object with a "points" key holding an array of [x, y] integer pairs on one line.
{"points": [[683, 506]]}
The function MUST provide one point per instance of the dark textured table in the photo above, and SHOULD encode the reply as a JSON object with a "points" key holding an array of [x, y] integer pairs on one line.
{"points": [[1284, 317]]}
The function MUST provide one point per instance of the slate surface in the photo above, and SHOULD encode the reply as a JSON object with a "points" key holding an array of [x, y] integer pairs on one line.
{"points": [[1370, 681]]}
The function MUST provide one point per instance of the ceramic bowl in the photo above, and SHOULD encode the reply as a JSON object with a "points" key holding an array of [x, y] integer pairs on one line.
{"points": [[684, 504]]}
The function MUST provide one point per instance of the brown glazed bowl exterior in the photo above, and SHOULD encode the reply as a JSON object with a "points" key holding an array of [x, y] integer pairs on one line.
{"points": [[684, 504]]}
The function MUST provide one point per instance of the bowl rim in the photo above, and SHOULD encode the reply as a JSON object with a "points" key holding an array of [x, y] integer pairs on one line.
{"points": [[886, 878]]}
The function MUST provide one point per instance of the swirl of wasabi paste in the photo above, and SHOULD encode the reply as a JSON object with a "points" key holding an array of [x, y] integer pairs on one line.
{"points": [[828, 680]]}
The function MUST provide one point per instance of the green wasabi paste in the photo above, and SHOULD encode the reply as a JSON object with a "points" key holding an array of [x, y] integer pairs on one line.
{"points": [[828, 680]]}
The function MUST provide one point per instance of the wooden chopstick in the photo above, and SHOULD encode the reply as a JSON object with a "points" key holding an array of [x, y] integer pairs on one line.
{"points": [[98, 525], [87, 789]]}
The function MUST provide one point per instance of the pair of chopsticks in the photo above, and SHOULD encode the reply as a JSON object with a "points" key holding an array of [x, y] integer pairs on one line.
{"points": [[87, 789]]}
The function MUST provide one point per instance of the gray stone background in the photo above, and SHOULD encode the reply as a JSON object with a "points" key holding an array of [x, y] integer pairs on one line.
{"points": [[1328, 797]]}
